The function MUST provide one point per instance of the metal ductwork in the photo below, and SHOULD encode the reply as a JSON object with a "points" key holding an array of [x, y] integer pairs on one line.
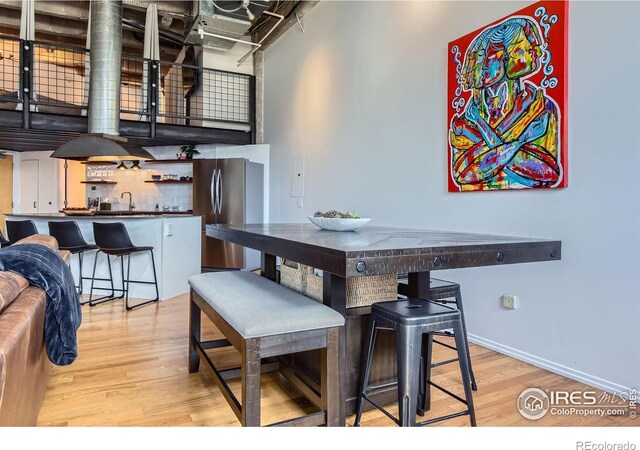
{"points": [[168, 36], [103, 142], [221, 24]]}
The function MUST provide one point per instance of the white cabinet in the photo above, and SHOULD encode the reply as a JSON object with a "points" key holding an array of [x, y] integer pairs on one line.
{"points": [[41, 181]]}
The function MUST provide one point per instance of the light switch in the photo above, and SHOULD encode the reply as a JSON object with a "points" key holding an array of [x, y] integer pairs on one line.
{"points": [[168, 229]]}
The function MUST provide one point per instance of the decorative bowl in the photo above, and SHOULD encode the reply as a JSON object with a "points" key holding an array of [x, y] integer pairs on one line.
{"points": [[334, 224]]}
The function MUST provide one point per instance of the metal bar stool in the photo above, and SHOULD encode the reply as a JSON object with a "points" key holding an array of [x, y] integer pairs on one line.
{"points": [[113, 239], [70, 238], [412, 320], [20, 229], [446, 293]]}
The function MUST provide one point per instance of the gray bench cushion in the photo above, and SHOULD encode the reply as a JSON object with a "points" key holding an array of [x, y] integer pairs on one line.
{"points": [[256, 307]]}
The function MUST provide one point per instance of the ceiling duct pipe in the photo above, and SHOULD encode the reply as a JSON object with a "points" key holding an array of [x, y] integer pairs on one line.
{"points": [[168, 36], [103, 142]]}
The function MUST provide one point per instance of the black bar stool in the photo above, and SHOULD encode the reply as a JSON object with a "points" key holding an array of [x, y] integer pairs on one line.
{"points": [[20, 229], [70, 238], [446, 293], [113, 239], [413, 320], [3, 241]]}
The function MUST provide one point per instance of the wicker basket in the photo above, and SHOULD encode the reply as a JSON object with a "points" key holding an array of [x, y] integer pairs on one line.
{"points": [[294, 275], [361, 291]]}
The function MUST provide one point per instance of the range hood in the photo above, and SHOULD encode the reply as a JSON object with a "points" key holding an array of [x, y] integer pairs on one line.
{"points": [[103, 142]]}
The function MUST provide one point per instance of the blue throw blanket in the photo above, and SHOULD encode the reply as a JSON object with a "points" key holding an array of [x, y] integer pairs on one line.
{"points": [[44, 268]]}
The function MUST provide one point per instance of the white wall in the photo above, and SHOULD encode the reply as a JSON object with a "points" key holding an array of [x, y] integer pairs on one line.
{"points": [[228, 60], [362, 96]]}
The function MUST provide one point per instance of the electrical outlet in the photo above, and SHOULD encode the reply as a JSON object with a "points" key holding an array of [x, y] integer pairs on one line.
{"points": [[299, 202], [510, 301]]}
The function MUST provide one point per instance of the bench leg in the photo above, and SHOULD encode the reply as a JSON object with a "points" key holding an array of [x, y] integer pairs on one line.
{"points": [[330, 378], [194, 335], [251, 383]]}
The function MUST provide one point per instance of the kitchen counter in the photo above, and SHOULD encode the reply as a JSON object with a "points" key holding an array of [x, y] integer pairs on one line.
{"points": [[143, 213], [175, 238], [106, 215]]}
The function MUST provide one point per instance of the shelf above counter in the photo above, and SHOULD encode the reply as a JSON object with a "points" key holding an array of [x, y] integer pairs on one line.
{"points": [[170, 181], [167, 161], [99, 182]]}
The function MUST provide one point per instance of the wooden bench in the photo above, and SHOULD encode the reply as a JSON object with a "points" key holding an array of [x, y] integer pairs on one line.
{"points": [[262, 319]]}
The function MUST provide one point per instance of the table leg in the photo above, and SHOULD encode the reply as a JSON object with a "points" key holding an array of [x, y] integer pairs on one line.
{"points": [[419, 285], [268, 266], [334, 295]]}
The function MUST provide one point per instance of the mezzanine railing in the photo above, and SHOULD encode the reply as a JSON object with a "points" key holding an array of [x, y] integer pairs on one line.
{"points": [[54, 78]]}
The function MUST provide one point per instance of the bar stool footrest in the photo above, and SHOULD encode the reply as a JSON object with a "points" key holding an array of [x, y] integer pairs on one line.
{"points": [[383, 410], [442, 363], [442, 418], [444, 344], [449, 393]]}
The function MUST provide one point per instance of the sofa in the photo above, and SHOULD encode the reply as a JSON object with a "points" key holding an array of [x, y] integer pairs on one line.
{"points": [[24, 366]]}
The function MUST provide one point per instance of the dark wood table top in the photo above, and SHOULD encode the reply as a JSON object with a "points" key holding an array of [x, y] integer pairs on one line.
{"points": [[373, 250]]}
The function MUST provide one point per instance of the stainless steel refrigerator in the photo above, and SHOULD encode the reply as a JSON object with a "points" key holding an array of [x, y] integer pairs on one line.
{"points": [[228, 191]]}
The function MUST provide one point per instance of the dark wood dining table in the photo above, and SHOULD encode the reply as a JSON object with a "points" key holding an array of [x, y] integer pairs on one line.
{"points": [[374, 250]]}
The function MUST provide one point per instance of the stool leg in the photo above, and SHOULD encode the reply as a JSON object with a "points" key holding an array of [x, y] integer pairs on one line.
{"points": [[408, 353], [424, 398], [126, 288], [93, 277], [195, 318], [106, 298], [155, 277], [113, 289], [458, 298], [80, 273], [366, 369], [155, 283], [251, 384], [461, 345]]}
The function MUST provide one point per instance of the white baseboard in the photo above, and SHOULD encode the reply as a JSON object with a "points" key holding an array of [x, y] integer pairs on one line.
{"points": [[551, 366]]}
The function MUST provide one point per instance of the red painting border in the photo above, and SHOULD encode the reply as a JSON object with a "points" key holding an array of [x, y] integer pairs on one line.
{"points": [[558, 46]]}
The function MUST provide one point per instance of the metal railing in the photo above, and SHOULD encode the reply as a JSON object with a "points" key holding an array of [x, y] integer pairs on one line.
{"points": [[54, 78], [199, 94], [60, 78], [10, 92], [134, 101]]}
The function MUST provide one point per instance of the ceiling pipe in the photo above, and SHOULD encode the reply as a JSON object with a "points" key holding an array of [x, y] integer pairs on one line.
{"points": [[103, 142], [106, 54], [165, 35], [259, 44]]}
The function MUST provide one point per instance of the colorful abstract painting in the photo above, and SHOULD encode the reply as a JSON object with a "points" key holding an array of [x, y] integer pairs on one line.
{"points": [[507, 94]]}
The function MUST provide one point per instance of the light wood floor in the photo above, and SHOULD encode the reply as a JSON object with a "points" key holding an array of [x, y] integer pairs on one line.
{"points": [[132, 371]]}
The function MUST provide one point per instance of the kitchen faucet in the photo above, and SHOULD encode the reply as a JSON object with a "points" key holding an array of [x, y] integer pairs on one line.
{"points": [[131, 204]]}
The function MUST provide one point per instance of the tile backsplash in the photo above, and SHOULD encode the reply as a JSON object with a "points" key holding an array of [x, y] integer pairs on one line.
{"points": [[146, 195]]}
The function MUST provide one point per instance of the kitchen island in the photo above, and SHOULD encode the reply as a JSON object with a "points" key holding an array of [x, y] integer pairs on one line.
{"points": [[176, 242]]}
